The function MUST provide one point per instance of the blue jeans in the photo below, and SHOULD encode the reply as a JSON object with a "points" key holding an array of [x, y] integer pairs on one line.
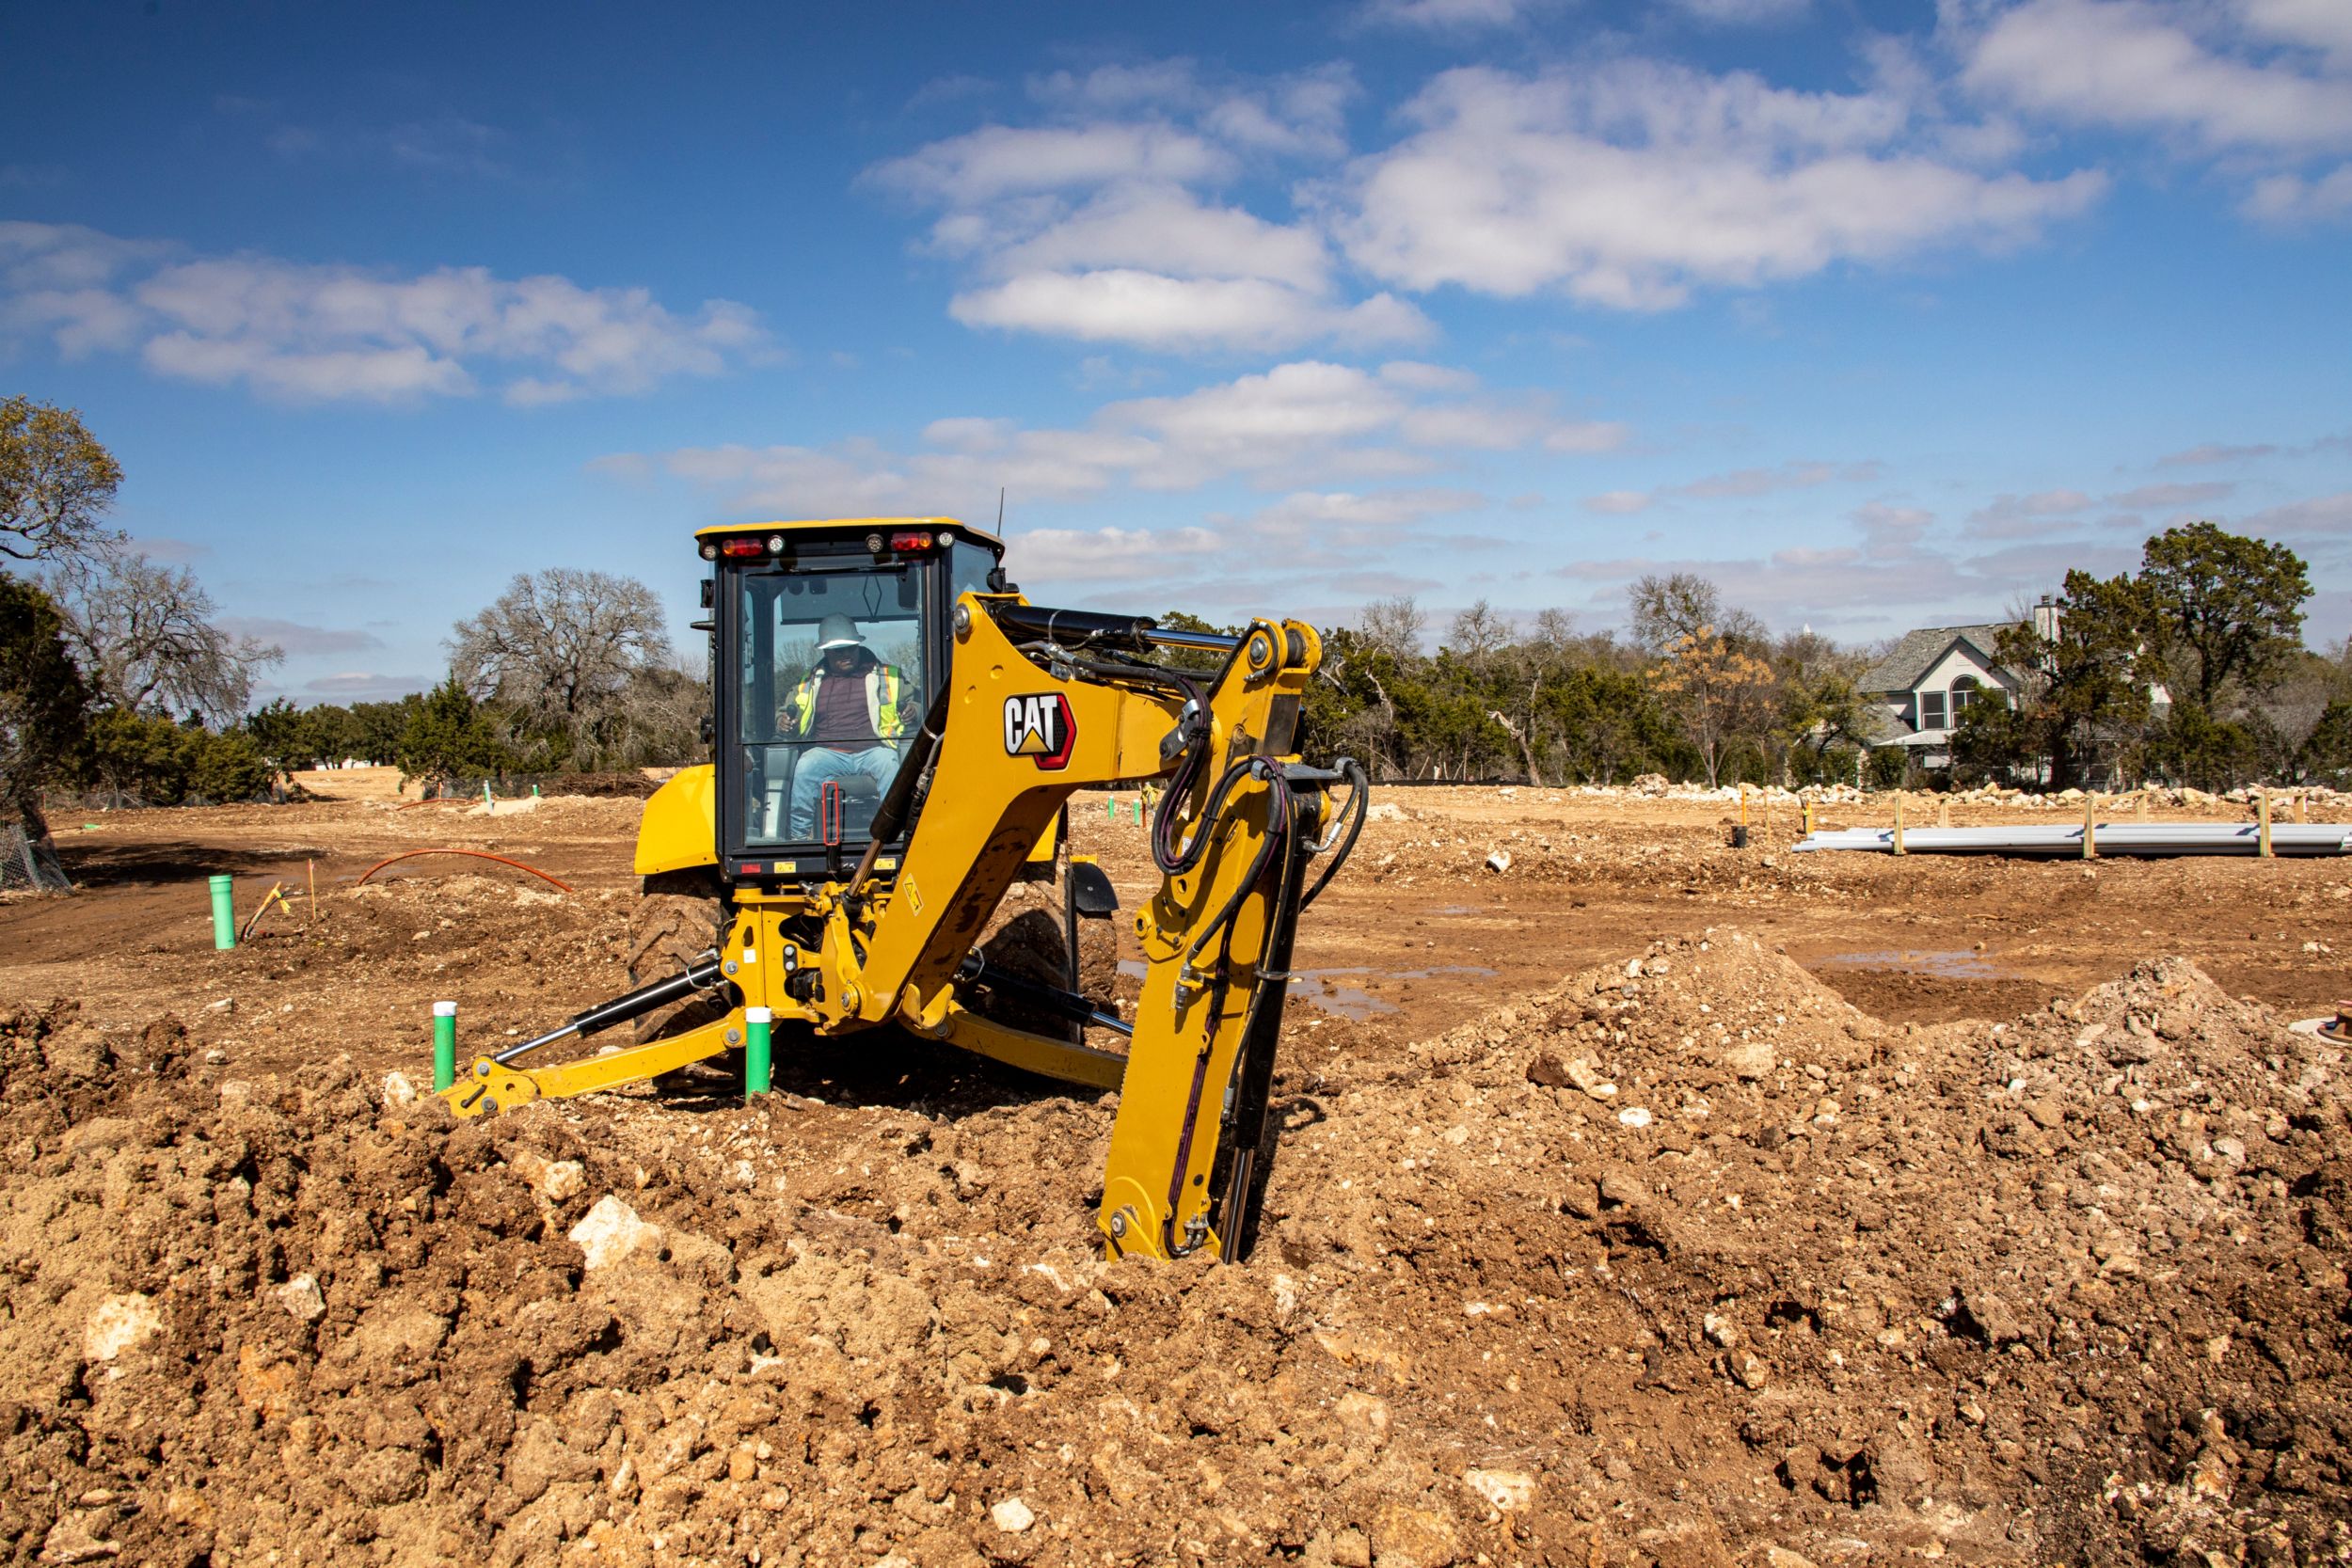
{"points": [[821, 765]]}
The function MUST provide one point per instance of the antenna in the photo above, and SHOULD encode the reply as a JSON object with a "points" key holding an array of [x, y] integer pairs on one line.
{"points": [[1000, 511]]}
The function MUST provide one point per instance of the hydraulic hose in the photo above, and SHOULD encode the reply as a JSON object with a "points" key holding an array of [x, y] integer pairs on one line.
{"points": [[1358, 803]]}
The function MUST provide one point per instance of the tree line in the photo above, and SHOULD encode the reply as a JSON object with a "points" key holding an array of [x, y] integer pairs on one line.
{"points": [[2190, 671], [116, 679]]}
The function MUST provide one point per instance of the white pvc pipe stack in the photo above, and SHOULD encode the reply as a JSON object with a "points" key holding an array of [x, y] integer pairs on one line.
{"points": [[2114, 838]]}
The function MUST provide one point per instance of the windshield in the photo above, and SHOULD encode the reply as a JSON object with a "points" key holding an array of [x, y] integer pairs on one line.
{"points": [[830, 675]]}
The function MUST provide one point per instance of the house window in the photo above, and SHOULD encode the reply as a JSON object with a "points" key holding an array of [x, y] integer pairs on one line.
{"points": [[1933, 714]]}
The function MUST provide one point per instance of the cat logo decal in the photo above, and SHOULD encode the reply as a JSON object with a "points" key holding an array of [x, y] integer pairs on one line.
{"points": [[1040, 727]]}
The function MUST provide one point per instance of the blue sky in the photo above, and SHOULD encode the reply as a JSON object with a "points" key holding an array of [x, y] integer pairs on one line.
{"points": [[1881, 315]]}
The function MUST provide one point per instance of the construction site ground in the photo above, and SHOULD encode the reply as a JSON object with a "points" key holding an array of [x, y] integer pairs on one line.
{"points": [[1647, 1201]]}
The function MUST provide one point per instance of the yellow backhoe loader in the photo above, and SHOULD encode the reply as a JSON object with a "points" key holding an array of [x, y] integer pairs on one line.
{"points": [[896, 733]]}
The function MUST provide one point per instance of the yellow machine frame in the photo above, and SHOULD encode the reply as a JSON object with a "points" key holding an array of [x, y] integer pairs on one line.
{"points": [[891, 949]]}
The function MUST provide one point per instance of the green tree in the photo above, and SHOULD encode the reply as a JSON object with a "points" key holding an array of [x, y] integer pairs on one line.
{"points": [[448, 736], [56, 481], [2087, 697], [378, 727], [288, 736], [152, 760], [2327, 752], [2223, 610], [44, 702]]}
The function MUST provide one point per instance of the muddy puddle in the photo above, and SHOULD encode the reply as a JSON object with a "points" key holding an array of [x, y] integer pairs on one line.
{"points": [[1346, 992], [1944, 963]]}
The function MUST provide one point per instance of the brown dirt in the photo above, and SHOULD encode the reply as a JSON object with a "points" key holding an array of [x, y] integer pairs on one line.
{"points": [[1860, 1282]]}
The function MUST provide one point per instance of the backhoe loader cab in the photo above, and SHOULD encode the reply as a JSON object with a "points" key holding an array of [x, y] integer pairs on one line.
{"points": [[828, 643]]}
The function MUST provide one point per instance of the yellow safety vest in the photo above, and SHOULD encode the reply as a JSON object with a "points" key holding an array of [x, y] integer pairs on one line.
{"points": [[885, 685]]}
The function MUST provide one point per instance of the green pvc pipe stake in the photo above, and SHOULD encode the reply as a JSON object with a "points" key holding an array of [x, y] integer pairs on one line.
{"points": [[1110, 809], [224, 915], [758, 1050], [444, 1045], [486, 794]]}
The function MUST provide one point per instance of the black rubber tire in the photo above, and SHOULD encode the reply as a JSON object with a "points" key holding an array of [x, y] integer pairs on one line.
{"points": [[681, 916]]}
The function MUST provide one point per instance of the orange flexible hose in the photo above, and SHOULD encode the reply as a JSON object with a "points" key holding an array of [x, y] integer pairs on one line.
{"points": [[477, 854]]}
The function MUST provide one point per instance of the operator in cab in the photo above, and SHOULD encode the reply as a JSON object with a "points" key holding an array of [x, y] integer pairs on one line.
{"points": [[854, 710]]}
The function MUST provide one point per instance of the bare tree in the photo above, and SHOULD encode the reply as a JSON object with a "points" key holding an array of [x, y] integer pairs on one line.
{"points": [[560, 648], [1667, 608], [1478, 633], [56, 481], [143, 634], [1396, 624], [1555, 630]]}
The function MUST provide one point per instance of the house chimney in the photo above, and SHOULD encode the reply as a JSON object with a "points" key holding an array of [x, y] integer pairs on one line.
{"points": [[2045, 619]]}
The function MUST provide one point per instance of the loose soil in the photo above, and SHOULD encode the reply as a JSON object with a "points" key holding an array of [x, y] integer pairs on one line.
{"points": [[1648, 1201]]}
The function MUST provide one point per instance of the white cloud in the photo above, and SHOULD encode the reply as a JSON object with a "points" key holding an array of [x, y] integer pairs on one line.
{"points": [[1740, 482], [1450, 15], [1169, 230], [1332, 520], [1629, 184], [1304, 424], [1108, 554], [307, 333], [1325, 532], [2323, 24], [1745, 13], [1001, 160], [1794, 475], [2290, 198], [2138, 64], [2159, 497], [299, 640], [2012, 516], [2215, 452], [1891, 531], [2322, 518], [359, 685], [1152, 310], [1101, 230]]}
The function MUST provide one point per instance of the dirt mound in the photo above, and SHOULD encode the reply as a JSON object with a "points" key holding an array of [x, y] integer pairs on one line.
{"points": [[2070, 1287]]}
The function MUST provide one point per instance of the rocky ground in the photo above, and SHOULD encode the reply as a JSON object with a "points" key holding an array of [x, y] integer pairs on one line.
{"points": [[1682, 1258]]}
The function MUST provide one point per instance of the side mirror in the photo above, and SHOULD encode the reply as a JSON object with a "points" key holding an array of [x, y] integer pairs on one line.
{"points": [[1092, 896], [709, 593], [705, 728]]}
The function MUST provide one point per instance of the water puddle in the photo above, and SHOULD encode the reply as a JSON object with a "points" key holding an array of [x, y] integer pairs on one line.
{"points": [[1945, 964], [1335, 991]]}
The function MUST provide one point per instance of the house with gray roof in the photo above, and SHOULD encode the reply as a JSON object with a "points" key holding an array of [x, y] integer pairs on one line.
{"points": [[1918, 691]]}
